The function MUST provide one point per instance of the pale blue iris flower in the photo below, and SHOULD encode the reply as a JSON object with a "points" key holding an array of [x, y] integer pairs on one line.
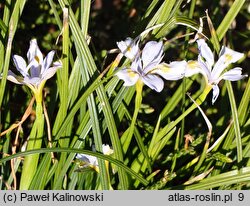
{"points": [[90, 160], [129, 48], [214, 72], [38, 69], [146, 65]]}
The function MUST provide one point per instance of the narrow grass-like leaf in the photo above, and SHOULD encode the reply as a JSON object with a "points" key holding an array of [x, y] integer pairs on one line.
{"points": [[56, 14], [80, 151], [235, 121], [228, 19], [244, 104], [4, 33], [224, 179], [3, 27], [14, 19]]}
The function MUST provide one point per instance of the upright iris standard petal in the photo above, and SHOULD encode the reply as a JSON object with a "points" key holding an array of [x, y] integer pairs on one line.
{"points": [[151, 55], [205, 52], [129, 48], [20, 64], [47, 61], [34, 53]]}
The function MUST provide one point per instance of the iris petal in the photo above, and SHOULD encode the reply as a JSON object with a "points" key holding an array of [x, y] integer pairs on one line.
{"points": [[20, 65], [234, 74], [47, 61], [128, 76], [227, 56], [88, 159], [172, 71], [34, 52], [14, 78], [153, 81], [129, 48], [151, 54], [216, 92], [205, 52], [48, 73]]}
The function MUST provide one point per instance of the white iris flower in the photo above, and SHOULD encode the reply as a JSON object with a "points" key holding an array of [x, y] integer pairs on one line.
{"points": [[147, 66], [90, 160], [214, 72], [38, 70], [129, 48]]}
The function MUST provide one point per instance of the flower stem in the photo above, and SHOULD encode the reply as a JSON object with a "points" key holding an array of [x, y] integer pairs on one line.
{"points": [[138, 100], [34, 142]]}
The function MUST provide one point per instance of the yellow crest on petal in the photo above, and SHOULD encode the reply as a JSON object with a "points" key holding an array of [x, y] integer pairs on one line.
{"points": [[192, 64], [131, 73], [228, 57], [163, 68], [37, 59]]}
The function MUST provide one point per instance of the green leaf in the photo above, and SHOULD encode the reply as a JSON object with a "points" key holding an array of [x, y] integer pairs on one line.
{"points": [[229, 18], [79, 151], [235, 121], [228, 178]]}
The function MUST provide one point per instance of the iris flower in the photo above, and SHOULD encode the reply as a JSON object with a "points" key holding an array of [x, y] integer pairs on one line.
{"points": [[38, 70], [129, 48], [147, 65], [214, 72], [90, 160]]}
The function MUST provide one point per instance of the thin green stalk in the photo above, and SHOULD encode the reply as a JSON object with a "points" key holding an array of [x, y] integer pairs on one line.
{"points": [[203, 155], [138, 100], [85, 12], [131, 130], [176, 149], [57, 17]]}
